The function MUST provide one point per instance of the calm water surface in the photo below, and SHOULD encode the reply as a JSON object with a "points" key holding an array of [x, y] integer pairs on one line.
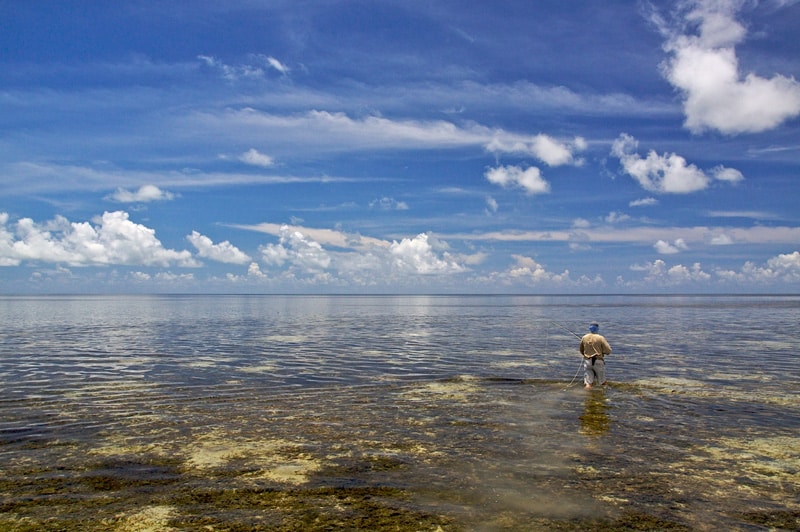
{"points": [[401, 413]]}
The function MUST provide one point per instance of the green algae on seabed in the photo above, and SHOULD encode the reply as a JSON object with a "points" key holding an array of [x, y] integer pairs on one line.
{"points": [[461, 454]]}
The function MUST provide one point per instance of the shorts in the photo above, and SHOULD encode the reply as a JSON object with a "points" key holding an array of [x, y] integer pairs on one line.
{"points": [[592, 372]]}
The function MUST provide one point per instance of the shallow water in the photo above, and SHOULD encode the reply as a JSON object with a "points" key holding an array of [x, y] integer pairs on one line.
{"points": [[402, 413]]}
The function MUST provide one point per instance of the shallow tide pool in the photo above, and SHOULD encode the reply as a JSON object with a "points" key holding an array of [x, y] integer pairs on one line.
{"points": [[397, 413]]}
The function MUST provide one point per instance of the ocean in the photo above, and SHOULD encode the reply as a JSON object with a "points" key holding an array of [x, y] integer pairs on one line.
{"points": [[271, 412]]}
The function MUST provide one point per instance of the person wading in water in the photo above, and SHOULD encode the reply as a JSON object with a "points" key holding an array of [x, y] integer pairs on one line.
{"points": [[594, 348]]}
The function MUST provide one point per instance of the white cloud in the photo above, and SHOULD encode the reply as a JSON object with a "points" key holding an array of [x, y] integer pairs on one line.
{"points": [[665, 248], [297, 251], [140, 276], [545, 148], [528, 269], [786, 262], [369, 262], [236, 72], [529, 179], [646, 235], [491, 204], [253, 270], [277, 65], [680, 273], [658, 274], [668, 173], [720, 240], [581, 223], [388, 204], [169, 277], [326, 131], [33, 178], [222, 252], [704, 67], [727, 174], [416, 255], [783, 268], [616, 217], [644, 202], [112, 240], [146, 193], [326, 237], [255, 158]]}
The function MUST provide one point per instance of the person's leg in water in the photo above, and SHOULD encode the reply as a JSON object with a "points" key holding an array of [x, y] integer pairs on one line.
{"points": [[588, 373], [600, 371]]}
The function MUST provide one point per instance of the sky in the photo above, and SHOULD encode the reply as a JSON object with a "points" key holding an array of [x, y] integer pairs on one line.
{"points": [[368, 147]]}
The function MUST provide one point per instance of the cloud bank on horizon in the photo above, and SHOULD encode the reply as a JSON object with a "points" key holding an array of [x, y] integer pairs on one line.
{"points": [[340, 148]]}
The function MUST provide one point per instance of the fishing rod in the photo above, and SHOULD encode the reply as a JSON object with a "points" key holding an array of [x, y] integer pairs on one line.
{"points": [[579, 338], [568, 330]]}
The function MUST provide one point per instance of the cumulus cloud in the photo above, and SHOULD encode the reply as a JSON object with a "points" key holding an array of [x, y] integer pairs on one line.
{"points": [[705, 68], [665, 248], [417, 255], [658, 273], [222, 252], [297, 251], [784, 268], [727, 174], [668, 173], [255, 158], [528, 269], [113, 240], [368, 263], [145, 194], [529, 179], [254, 270]]}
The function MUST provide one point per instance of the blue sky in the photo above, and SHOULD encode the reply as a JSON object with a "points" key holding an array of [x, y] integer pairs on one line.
{"points": [[409, 146]]}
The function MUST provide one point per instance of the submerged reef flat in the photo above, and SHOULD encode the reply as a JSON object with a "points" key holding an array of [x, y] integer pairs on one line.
{"points": [[449, 455]]}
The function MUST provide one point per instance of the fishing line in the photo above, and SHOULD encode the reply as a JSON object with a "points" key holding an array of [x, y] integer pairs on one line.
{"points": [[573, 378], [582, 362]]}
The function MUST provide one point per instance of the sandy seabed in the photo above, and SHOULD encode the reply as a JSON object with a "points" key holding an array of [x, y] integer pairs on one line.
{"points": [[458, 454]]}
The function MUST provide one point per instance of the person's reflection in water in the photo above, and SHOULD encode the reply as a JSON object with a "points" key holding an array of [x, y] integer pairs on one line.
{"points": [[595, 420]]}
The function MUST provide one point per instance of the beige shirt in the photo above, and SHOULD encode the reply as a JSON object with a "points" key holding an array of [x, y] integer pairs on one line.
{"points": [[594, 345]]}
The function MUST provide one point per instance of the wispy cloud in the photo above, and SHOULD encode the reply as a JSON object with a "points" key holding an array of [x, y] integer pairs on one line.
{"points": [[645, 235], [388, 204], [644, 202], [28, 178], [254, 68], [543, 147]]}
